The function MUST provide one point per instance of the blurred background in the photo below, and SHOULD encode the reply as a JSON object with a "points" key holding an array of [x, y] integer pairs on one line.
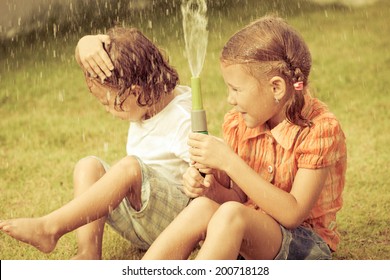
{"points": [[48, 120]]}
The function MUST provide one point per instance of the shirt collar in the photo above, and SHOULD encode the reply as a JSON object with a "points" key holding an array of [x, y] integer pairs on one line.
{"points": [[285, 134]]}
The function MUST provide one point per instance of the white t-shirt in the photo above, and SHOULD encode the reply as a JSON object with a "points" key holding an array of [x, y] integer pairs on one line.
{"points": [[161, 141]]}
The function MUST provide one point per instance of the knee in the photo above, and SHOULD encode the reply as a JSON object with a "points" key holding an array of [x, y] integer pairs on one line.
{"points": [[229, 215], [231, 209], [200, 210], [203, 206], [129, 162], [130, 166], [197, 215], [89, 166]]}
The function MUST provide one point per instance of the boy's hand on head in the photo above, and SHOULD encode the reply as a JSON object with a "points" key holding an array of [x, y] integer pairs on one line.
{"points": [[93, 57]]}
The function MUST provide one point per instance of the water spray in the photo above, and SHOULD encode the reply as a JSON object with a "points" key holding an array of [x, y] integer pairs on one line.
{"points": [[195, 37]]}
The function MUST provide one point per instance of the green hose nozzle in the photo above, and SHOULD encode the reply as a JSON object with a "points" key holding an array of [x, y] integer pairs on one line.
{"points": [[198, 115]]}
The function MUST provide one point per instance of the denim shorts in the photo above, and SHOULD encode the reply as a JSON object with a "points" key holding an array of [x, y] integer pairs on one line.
{"points": [[303, 244], [161, 203]]}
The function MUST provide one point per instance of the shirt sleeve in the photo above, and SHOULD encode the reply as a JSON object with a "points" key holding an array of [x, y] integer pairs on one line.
{"points": [[179, 145], [180, 119], [323, 146]]}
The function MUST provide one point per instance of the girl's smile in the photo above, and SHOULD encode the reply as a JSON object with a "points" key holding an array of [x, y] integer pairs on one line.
{"points": [[253, 100]]}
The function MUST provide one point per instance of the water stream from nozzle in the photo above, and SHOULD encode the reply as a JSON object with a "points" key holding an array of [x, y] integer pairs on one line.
{"points": [[195, 33]]}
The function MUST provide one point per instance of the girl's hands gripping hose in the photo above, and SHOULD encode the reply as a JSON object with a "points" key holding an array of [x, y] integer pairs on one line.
{"points": [[210, 151]]}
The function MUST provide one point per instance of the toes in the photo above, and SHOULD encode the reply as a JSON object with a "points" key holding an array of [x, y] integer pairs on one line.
{"points": [[5, 228], [2, 224]]}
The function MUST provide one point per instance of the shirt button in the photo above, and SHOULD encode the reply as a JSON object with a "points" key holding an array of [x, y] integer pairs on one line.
{"points": [[270, 169]]}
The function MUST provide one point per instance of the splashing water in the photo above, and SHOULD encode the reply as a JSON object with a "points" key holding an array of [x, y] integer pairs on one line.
{"points": [[195, 33]]}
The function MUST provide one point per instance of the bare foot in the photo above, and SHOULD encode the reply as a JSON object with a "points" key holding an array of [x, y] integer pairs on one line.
{"points": [[31, 231]]}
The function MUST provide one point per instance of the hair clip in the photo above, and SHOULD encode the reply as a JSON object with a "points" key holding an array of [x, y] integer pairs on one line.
{"points": [[298, 85]]}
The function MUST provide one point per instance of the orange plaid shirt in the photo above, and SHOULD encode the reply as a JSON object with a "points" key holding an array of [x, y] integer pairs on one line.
{"points": [[277, 155]]}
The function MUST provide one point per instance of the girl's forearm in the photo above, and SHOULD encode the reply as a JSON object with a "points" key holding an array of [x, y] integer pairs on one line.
{"points": [[274, 201]]}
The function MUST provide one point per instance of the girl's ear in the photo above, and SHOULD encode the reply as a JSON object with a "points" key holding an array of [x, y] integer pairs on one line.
{"points": [[278, 85]]}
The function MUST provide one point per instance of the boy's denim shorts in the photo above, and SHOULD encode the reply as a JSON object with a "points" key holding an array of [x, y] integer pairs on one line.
{"points": [[161, 203], [302, 244]]}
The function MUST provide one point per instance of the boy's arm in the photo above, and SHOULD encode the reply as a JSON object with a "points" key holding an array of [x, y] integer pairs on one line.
{"points": [[92, 57]]}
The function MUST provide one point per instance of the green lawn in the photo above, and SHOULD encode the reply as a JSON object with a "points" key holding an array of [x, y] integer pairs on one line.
{"points": [[48, 120]]}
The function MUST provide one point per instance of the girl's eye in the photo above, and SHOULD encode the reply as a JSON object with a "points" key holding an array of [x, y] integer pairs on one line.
{"points": [[231, 89], [234, 89]]}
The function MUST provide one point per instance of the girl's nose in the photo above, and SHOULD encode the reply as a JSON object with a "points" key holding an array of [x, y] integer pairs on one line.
{"points": [[231, 99]]}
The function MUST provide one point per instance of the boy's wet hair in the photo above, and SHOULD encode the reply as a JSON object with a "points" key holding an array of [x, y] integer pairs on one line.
{"points": [[272, 47], [139, 67]]}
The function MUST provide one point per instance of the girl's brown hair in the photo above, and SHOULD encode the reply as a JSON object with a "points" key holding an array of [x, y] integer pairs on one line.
{"points": [[273, 47], [139, 67]]}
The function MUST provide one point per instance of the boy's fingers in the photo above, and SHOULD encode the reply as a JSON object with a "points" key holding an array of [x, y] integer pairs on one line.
{"points": [[107, 63], [98, 72], [99, 67], [104, 62], [88, 68]]}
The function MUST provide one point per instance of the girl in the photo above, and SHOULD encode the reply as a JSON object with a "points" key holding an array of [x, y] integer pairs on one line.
{"points": [[284, 150], [140, 195]]}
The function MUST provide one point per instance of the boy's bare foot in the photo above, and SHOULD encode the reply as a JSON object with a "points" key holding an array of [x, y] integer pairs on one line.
{"points": [[31, 231]]}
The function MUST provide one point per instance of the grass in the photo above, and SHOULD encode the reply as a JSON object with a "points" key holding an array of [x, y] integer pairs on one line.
{"points": [[48, 120]]}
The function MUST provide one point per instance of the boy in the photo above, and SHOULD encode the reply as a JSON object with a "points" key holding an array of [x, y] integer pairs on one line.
{"points": [[140, 195]]}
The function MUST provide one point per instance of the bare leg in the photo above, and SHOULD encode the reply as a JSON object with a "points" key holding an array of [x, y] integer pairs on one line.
{"points": [[89, 237], [235, 228], [180, 238], [123, 179]]}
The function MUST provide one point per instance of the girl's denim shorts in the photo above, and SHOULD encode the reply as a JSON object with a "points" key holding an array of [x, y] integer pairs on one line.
{"points": [[303, 244]]}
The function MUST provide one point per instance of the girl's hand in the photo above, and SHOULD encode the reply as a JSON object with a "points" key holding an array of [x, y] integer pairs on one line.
{"points": [[207, 150], [92, 56], [194, 184], [202, 168]]}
